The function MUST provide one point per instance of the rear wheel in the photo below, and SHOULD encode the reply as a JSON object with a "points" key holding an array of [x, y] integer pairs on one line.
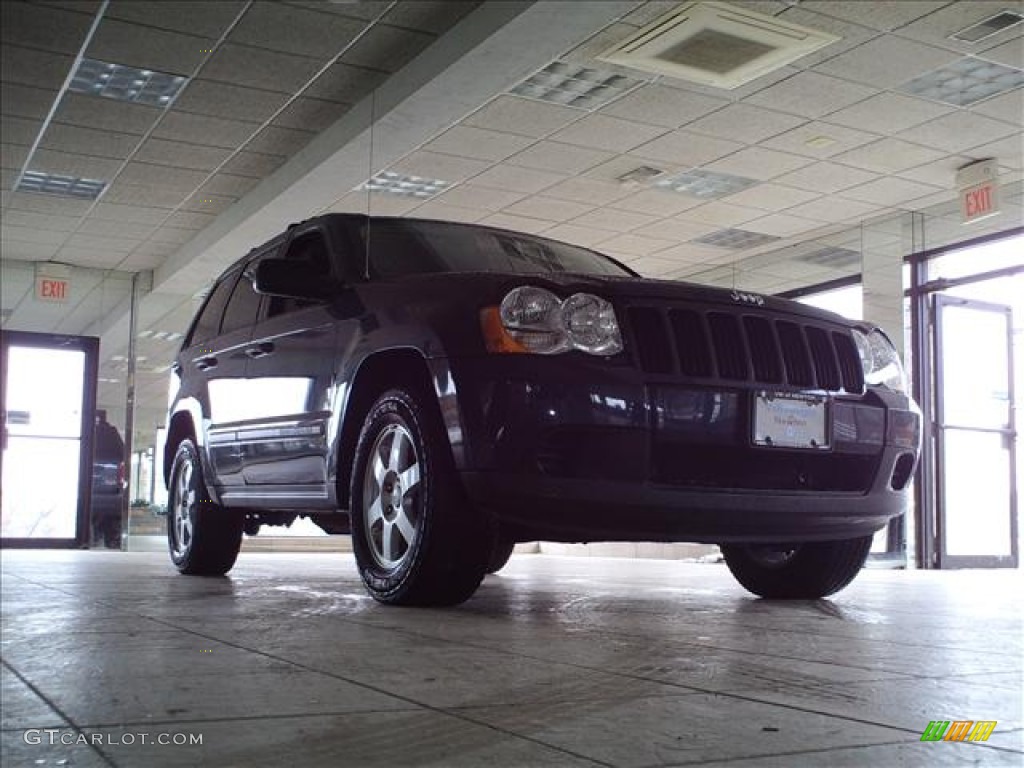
{"points": [[415, 538], [797, 571], [203, 537]]}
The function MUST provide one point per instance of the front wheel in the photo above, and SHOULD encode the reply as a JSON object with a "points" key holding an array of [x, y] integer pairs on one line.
{"points": [[415, 538], [797, 571], [203, 537]]}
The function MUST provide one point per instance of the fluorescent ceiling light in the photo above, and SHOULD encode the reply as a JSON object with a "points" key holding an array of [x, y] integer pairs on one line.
{"points": [[392, 183], [116, 81], [965, 82], [575, 86], [705, 184], [735, 239], [60, 185], [988, 27]]}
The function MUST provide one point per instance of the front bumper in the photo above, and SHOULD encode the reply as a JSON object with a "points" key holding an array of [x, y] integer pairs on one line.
{"points": [[579, 450]]}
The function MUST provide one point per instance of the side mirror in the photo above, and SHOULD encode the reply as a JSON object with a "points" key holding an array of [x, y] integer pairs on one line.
{"points": [[294, 280]]}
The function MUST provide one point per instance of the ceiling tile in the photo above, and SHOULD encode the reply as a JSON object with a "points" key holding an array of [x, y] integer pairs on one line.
{"points": [[235, 102], [289, 29], [1009, 151], [275, 140], [759, 163], [433, 165], [346, 83], [889, 191], [826, 178], [888, 156], [771, 197], [82, 166], [172, 235], [614, 220], [721, 214], [850, 35], [107, 228], [889, 113], [516, 223], [19, 130], [686, 149], [941, 173], [178, 154], [887, 61], [208, 204], [202, 129], [228, 185], [517, 179], [937, 27], [105, 114], [387, 48], [436, 209], [563, 158], [89, 141], [93, 242], [153, 249], [781, 225], [147, 48], [25, 251], [479, 197], [663, 105], [1010, 53], [635, 245], [658, 202], [960, 131], [1008, 106], [7, 178], [745, 123], [260, 68], [478, 143], [587, 237], [674, 229], [611, 133], [548, 208], [198, 17], [145, 195], [525, 117], [584, 190], [40, 221], [429, 15], [181, 179], [885, 16], [190, 220], [810, 94], [61, 206], [48, 29], [23, 101], [620, 165], [654, 266], [311, 114], [820, 140], [128, 213], [39, 69], [137, 262], [254, 164], [94, 258]]}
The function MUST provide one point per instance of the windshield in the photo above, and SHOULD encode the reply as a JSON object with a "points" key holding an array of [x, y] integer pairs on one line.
{"points": [[401, 247]]}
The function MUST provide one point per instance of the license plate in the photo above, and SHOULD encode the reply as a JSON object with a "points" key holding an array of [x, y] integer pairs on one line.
{"points": [[790, 421]]}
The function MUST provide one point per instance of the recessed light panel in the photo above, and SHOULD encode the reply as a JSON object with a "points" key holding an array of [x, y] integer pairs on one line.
{"points": [[965, 82], [116, 81], [705, 184], [832, 256], [60, 185], [391, 183], [990, 26], [575, 86], [736, 239]]}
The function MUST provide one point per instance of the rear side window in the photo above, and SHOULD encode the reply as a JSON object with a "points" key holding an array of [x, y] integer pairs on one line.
{"points": [[310, 248], [207, 325], [242, 308]]}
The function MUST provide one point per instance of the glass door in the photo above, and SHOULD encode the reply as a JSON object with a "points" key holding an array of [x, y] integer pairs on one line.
{"points": [[974, 432], [47, 393]]}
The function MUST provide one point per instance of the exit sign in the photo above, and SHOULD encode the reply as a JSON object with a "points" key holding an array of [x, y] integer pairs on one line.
{"points": [[53, 283], [978, 190]]}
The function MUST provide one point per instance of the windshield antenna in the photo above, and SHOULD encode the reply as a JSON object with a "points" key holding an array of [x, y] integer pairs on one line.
{"points": [[369, 185]]}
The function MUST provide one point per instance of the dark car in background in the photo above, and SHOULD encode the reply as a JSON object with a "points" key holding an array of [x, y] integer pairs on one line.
{"points": [[442, 391], [108, 483]]}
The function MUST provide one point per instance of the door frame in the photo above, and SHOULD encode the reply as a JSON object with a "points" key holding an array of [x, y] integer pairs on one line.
{"points": [[90, 345], [943, 559]]}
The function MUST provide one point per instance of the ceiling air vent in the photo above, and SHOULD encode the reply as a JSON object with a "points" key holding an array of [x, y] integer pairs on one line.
{"points": [[832, 256], [716, 44]]}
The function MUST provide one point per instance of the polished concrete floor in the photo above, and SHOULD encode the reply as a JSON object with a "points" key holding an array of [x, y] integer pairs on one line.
{"points": [[557, 661]]}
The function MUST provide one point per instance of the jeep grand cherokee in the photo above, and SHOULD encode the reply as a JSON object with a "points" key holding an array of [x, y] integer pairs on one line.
{"points": [[442, 391]]}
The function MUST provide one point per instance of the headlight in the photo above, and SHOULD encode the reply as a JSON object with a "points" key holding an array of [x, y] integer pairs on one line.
{"points": [[532, 319], [880, 360]]}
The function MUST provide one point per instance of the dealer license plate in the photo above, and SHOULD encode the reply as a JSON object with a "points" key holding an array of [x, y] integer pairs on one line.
{"points": [[790, 421]]}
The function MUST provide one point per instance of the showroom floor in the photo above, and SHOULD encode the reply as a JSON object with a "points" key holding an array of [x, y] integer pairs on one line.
{"points": [[557, 661]]}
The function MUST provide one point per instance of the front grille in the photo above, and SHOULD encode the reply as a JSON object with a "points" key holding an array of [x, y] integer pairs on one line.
{"points": [[753, 348]]}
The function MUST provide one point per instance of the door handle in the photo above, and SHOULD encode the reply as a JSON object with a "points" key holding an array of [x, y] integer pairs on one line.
{"points": [[260, 350], [206, 363]]}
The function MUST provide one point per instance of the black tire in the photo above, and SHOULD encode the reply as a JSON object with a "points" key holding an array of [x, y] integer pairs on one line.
{"points": [[415, 538], [798, 571], [203, 537], [501, 552]]}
